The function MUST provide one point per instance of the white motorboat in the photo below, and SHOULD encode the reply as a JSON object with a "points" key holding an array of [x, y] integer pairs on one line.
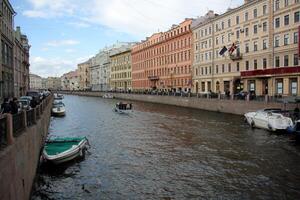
{"points": [[108, 96], [58, 108], [60, 150], [269, 119], [123, 108]]}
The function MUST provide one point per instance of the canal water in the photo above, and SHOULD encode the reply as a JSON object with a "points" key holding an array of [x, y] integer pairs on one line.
{"points": [[167, 152]]}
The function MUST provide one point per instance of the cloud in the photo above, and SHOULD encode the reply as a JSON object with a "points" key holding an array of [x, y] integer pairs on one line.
{"points": [[80, 24], [56, 43], [70, 50], [53, 67], [135, 17]]}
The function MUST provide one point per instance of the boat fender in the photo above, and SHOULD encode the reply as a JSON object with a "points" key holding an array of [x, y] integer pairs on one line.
{"points": [[252, 124], [270, 127]]}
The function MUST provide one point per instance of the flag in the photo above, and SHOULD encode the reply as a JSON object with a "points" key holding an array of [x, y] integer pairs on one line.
{"points": [[232, 48], [223, 50]]}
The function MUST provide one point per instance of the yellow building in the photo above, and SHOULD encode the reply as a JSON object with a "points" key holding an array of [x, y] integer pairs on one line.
{"points": [[120, 78], [83, 70], [263, 36]]}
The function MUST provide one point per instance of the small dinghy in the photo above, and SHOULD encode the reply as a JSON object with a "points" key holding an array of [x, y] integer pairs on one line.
{"points": [[60, 150], [58, 108]]}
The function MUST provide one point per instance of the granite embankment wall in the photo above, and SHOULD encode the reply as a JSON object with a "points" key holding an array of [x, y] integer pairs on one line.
{"points": [[238, 107], [20, 156]]}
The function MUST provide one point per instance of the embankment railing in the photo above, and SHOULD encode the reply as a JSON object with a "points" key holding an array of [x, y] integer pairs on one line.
{"points": [[12, 126]]}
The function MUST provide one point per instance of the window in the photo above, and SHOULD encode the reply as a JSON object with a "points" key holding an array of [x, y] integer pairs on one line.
{"points": [[255, 46], [286, 2], [296, 37], [209, 30], [255, 29], [277, 5], [246, 48], [255, 64], [296, 17], [286, 20], [277, 22], [222, 39], [286, 60], [264, 44], [277, 61], [229, 34], [237, 66], [264, 26], [223, 68], [237, 19], [246, 16], [255, 13], [217, 69], [247, 31], [217, 27], [247, 65], [229, 22], [286, 39], [293, 86], [237, 34], [277, 38], [264, 63], [217, 41], [222, 25], [229, 67], [296, 60], [279, 86], [264, 9]]}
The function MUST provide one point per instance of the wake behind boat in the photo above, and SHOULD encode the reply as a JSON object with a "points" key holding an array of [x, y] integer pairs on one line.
{"points": [[269, 119], [60, 150], [123, 108]]}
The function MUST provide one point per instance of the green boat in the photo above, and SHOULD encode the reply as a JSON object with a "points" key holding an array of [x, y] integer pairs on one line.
{"points": [[60, 150]]}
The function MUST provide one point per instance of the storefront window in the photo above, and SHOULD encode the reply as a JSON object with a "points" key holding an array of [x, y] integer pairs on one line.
{"points": [[293, 86], [252, 86], [279, 86], [203, 86]]}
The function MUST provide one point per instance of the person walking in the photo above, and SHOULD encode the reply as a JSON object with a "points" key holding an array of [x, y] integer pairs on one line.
{"points": [[5, 106], [14, 106]]}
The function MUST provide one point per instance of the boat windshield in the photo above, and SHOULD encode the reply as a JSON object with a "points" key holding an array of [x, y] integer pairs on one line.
{"points": [[124, 106]]}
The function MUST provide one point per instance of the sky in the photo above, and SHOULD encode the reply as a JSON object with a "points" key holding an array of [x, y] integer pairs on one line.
{"points": [[63, 33]]}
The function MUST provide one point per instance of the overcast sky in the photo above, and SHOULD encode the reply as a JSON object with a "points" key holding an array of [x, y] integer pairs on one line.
{"points": [[63, 33]]}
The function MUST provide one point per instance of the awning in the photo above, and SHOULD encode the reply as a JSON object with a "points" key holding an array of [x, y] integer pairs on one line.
{"points": [[271, 72]]}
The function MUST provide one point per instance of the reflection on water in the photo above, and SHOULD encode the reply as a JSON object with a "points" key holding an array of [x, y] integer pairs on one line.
{"points": [[166, 152]]}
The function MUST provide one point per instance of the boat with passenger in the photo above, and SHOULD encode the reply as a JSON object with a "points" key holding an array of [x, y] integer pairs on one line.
{"points": [[64, 149], [123, 108], [269, 119]]}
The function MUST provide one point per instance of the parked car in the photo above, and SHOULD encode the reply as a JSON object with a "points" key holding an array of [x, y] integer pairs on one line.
{"points": [[241, 95], [24, 104], [36, 96], [28, 98]]}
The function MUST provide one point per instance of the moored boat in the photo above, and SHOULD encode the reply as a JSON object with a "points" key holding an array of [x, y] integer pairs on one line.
{"points": [[122, 108], [269, 119], [58, 108], [108, 96], [60, 150], [294, 131]]}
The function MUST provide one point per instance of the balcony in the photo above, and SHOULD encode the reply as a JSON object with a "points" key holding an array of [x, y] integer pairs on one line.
{"points": [[237, 56]]}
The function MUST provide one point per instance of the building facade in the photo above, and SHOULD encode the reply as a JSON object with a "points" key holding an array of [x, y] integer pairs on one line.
{"points": [[252, 48], [21, 64], [35, 82], [70, 81], [83, 70], [53, 83], [163, 61], [7, 46], [121, 69]]}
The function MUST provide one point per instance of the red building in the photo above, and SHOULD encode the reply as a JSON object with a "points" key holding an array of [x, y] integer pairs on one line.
{"points": [[163, 61]]}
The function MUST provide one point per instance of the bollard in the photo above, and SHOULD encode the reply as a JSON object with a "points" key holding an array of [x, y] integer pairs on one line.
{"points": [[24, 118], [34, 116], [266, 98], [10, 130]]}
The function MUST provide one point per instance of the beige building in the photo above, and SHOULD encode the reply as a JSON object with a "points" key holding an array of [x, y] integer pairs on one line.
{"points": [[83, 71], [53, 83], [260, 49], [70, 81], [121, 70], [35, 82]]}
